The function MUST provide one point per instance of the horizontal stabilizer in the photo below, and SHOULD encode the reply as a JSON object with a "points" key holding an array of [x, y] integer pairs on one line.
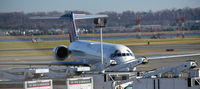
{"points": [[89, 16], [51, 18], [71, 16]]}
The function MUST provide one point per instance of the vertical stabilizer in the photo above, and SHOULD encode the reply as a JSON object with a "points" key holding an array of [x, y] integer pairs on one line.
{"points": [[73, 33]]}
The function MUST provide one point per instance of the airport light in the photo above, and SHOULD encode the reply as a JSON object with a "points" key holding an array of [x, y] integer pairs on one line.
{"points": [[177, 27], [99, 24], [182, 26], [97, 21], [138, 21], [178, 20]]}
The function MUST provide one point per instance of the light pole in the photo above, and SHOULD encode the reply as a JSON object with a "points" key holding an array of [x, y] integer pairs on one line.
{"points": [[102, 61], [100, 25]]}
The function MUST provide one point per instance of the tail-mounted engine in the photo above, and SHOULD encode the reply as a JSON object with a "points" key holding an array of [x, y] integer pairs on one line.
{"points": [[61, 52]]}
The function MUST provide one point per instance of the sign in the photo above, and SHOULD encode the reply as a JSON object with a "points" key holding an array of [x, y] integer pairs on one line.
{"points": [[83, 69], [37, 71], [41, 70], [38, 84], [80, 83]]}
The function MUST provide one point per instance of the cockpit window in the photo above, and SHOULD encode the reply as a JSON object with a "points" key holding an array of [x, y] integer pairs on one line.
{"points": [[131, 54], [127, 54], [123, 54], [119, 54]]}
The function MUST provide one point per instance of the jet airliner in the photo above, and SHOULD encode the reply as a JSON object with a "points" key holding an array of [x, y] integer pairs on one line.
{"points": [[117, 57]]}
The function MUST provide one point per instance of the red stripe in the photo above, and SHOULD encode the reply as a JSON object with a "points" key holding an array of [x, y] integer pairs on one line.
{"points": [[72, 30], [70, 38]]}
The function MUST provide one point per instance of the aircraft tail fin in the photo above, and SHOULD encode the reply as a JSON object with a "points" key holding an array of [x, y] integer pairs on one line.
{"points": [[72, 17]]}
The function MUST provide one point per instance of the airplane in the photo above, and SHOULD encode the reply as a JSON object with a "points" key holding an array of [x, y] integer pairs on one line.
{"points": [[116, 57]]}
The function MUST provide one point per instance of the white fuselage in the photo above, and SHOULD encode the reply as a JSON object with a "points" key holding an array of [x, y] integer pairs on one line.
{"points": [[117, 52]]}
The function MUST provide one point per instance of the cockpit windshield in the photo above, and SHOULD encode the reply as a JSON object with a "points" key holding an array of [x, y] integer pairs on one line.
{"points": [[117, 53], [123, 54], [127, 54]]}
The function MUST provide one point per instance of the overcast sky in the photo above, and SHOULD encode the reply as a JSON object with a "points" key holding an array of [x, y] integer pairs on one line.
{"points": [[94, 6]]}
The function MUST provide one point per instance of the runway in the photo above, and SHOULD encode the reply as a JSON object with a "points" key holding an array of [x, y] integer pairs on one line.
{"points": [[178, 49], [140, 50], [157, 50]]}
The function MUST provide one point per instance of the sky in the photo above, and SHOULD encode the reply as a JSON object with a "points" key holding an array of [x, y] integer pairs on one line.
{"points": [[94, 6]]}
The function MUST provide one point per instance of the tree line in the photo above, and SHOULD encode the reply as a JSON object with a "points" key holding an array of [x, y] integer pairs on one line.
{"points": [[21, 21]]}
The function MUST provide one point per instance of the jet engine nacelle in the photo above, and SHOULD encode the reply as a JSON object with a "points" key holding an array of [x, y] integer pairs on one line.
{"points": [[61, 52]]}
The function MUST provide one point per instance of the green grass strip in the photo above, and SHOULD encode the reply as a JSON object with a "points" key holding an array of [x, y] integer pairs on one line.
{"points": [[52, 44]]}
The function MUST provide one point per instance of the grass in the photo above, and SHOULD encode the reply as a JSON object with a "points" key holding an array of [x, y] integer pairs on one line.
{"points": [[132, 41], [94, 35], [26, 53], [187, 40], [30, 45]]}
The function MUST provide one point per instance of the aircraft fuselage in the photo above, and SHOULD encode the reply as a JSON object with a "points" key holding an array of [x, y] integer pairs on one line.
{"points": [[92, 51]]}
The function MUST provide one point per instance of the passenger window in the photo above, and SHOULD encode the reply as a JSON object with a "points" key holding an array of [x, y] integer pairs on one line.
{"points": [[123, 54]]}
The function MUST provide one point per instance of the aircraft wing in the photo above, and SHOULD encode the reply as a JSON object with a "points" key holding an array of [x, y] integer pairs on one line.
{"points": [[66, 63], [172, 56], [133, 63]]}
